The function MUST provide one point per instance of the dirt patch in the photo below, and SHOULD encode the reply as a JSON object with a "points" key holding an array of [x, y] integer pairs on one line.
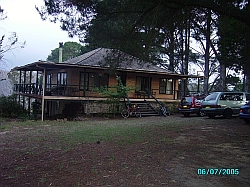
{"points": [[169, 154]]}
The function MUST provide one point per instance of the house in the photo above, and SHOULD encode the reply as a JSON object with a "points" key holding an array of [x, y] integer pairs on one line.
{"points": [[69, 86]]}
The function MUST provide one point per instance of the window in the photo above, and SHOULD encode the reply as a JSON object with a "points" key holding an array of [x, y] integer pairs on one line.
{"points": [[232, 97], [62, 78], [143, 83], [91, 80], [166, 86], [48, 81], [211, 97], [248, 97], [82, 84]]}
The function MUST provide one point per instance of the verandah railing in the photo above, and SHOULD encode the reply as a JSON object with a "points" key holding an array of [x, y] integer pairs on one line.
{"points": [[37, 89], [30, 88], [73, 90]]}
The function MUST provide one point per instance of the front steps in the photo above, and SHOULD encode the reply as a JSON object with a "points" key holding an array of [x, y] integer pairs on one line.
{"points": [[146, 108]]}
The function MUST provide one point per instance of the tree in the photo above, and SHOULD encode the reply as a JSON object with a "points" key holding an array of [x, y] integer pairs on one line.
{"points": [[234, 45], [111, 21], [9, 45], [70, 50], [10, 108], [146, 29], [84, 11], [115, 94], [11, 42], [2, 14]]}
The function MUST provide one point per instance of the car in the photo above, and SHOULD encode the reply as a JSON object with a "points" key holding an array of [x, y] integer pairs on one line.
{"points": [[245, 112], [191, 105], [224, 103]]}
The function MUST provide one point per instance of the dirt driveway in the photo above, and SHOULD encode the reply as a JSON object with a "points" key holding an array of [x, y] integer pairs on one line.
{"points": [[171, 151]]}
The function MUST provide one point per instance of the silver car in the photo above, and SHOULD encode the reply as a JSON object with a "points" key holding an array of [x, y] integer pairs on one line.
{"points": [[224, 103]]}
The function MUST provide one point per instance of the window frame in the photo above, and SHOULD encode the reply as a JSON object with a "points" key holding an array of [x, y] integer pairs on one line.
{"points": [[49, 81], [164, 89], [231, 97], [97, 82], [143, 83], [62, 79]]}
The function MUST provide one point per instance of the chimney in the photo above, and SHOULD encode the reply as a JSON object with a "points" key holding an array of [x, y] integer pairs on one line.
{"points": [[60, 51]]}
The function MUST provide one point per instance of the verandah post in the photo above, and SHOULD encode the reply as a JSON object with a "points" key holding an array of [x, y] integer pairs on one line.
{"points": [[44, 87]]}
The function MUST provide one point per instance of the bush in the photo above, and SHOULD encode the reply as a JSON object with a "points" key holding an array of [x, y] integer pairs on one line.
{"points": [[36, 108], [114, 94], [172, 107], [10, 108]]}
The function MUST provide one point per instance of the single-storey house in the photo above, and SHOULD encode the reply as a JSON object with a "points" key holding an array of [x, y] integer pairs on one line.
{"points": [[71, 83]]}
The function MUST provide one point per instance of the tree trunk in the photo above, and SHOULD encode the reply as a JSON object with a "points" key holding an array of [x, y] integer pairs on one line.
{"points": [[222, 86], [206, 71], [247, 83], [186, 53], [171, 48]]}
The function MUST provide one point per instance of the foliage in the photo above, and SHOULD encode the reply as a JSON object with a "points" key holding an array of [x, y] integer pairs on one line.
{"points": [[234, 44], [70, 50], [233, 80], [36, 108], [147, 23], [154, 30], [115, 94], [11, 42], [13, 75], [2, 14], [10, 108]]}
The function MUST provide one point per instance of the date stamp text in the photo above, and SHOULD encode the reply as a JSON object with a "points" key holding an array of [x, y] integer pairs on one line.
{"points": [[218, 171]]}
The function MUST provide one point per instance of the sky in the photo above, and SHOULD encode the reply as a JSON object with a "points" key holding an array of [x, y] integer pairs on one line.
{"points": [[41, 36]]}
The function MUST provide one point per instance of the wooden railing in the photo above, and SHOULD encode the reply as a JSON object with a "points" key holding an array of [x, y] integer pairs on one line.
{"points": [[163, 109], [63, 90], [37, 89], [31, 88], [73, 90]]}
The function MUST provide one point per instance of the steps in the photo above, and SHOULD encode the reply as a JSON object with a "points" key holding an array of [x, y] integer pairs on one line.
{"points": [[146, 108]]}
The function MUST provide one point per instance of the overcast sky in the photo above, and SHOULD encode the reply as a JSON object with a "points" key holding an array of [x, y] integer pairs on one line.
{"points": [[40, 36]]}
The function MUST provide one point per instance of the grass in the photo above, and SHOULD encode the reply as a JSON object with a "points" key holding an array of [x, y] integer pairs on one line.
{"points": [[42, 180], [96, 134], [65, 135]]}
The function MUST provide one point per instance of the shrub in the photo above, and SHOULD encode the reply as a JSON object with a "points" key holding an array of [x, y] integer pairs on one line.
{"points": [[10, 108], [114, 94]]}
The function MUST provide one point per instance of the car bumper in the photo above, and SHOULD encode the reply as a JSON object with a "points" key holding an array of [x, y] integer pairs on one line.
{"points": [[244, 116], [190, 110]]}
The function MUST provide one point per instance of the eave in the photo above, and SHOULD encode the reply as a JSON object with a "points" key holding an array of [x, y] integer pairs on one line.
{"points": [[41, 65]]}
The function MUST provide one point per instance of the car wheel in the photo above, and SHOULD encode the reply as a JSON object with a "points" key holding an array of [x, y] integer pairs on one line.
{"points": [[227, 113], [201, 114], [247, 121], [212, 116], [186, 114]]}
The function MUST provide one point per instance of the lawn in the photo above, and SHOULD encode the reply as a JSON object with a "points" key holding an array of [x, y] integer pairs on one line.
{"points": [[150, 151]]}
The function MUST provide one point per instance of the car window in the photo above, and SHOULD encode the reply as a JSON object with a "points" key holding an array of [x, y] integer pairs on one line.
{"points": [[199, 100], [186, 100], [211, 97], [232, 97], [248, 97]]}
